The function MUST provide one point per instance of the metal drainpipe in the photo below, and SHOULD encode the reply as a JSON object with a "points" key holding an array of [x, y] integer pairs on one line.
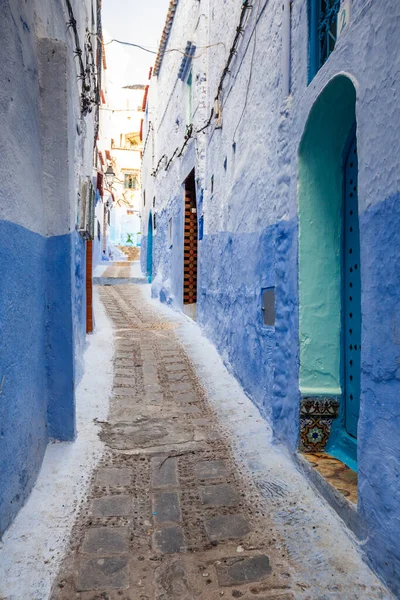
{"points": [[286, 43]]}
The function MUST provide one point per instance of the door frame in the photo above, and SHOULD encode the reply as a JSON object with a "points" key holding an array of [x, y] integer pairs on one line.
{"points": [[189, 186]]}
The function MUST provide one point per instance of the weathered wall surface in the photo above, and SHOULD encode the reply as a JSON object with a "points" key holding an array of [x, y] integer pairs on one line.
{"points": [[250, 216], [42, 299]]}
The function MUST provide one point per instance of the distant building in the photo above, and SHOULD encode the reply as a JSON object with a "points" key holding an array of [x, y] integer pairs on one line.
{"points": [[50, 69], [271, 213], [120, 149]]}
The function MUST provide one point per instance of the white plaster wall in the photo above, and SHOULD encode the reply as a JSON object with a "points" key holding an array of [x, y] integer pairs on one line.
{"points": [[45, 95], [264, 166], [259, 185], [168, 113]]}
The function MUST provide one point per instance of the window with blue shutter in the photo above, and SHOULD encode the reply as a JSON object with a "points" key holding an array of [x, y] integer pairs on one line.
{"points": [[323, 16]]}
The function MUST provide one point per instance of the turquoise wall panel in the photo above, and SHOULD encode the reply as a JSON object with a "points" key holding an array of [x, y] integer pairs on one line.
{"points": [[320, 202]]}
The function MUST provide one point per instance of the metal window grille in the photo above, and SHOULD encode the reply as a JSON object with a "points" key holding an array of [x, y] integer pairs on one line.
{"points": [[186, 61], [323, 32]]}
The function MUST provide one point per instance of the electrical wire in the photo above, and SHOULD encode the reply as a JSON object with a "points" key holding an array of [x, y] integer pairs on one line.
{"points": [[250, 76], [225, 72], [247, 47], [119, 109], [88, 74], [149, 130], [130, 44], [167, 51]]}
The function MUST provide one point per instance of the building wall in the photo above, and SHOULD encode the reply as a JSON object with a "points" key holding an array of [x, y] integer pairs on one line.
{"points": [[42, 299], [250, 218]]}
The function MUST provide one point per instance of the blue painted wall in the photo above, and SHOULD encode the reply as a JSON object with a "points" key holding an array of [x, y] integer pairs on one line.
{"points": [[38, 371], [263, 358], [167, 258], [229, 306], [42, 288], [66, 330], [23, 402], [379, 423]]}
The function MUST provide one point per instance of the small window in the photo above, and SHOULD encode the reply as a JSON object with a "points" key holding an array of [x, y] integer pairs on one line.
{"points": [[144, 198], [130, 182], [170, 232], [323, 17], [189, 99]]}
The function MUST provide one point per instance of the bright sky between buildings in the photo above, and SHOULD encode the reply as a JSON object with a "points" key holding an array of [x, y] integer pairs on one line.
{"points": [[137, 22]]}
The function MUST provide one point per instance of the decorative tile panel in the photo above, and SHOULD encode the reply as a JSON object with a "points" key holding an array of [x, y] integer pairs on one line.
{"points": [[316, 417]]}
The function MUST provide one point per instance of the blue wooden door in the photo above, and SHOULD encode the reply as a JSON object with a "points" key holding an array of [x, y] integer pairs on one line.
{"points": [[150, 250], [351, 292]]}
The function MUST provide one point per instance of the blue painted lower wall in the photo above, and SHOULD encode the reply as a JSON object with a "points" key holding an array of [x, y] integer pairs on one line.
{"points": [[66, 327], [78, 261], [229, 306], [379, 423], [23, 402], [263, 358], [40, 353], [167, 258]]}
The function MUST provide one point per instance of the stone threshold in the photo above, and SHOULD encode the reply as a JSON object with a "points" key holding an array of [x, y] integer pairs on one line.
{"points": [[333, 489]]}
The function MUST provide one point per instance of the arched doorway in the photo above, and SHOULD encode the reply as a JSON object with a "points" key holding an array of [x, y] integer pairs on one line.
{"points": [[329, 258], [149, 264]]}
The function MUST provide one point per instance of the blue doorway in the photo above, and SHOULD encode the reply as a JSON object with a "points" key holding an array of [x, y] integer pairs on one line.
{"points": [[351, 292], [150, 249]]}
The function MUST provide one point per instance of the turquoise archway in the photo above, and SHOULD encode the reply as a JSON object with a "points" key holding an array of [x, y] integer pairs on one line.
{"points": [[320, 204]]}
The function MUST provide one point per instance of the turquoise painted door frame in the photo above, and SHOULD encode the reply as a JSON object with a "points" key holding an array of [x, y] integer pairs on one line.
{"points": [[320, 239], [329, 368], [150, 249], [351, 292]]}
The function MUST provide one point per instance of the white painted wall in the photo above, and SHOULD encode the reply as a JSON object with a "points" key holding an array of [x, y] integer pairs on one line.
{"points": [[46, 95], [264, 166]]}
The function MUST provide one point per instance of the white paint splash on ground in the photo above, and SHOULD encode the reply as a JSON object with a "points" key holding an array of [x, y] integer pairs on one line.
{"points": [[34, 546], [325, 556]]}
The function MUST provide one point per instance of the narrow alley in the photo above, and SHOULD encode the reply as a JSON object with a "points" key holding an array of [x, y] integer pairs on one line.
{"points": [[200, 300], [178, 508]]}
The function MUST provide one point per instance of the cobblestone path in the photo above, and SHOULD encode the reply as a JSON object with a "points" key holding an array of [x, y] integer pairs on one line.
{"points": [[168, 516]]}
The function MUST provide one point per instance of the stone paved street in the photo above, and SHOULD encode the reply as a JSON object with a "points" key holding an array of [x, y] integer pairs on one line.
{"points": [[169, 515]]}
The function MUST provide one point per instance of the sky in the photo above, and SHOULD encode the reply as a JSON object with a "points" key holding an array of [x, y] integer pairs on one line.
{"points": [[135, 21]]}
